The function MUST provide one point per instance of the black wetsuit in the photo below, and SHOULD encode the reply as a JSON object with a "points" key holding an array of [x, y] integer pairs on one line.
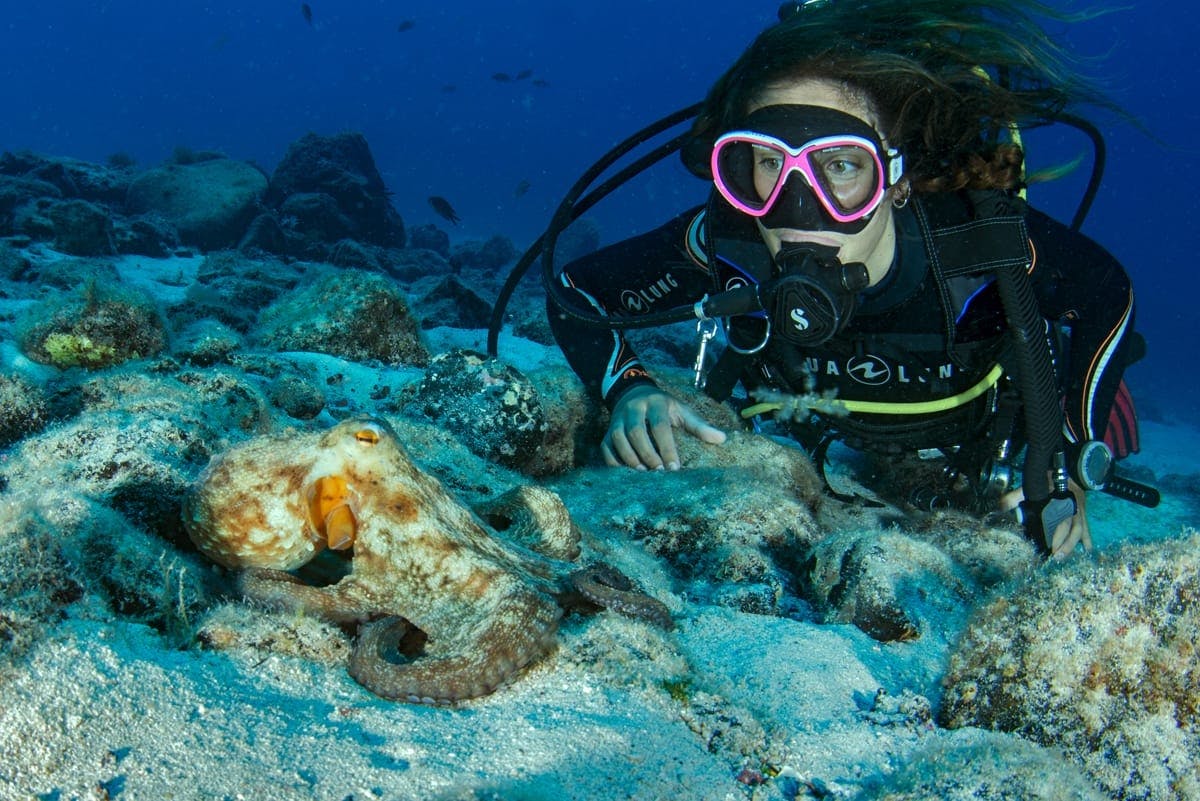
{"points": [[897, 347]]}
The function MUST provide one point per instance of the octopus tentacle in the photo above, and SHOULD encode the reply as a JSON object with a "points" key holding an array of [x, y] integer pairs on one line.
{"points": [[501, 645], [608, 587], [280, 590], [536, 518]]}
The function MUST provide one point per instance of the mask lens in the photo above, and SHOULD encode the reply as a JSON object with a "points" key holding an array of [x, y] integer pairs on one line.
{"points": [[847, 176], [844, 172], [747, 171]]}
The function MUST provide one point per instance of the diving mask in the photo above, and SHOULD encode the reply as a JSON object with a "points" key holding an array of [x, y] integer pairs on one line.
{"points": [[807, 168]]}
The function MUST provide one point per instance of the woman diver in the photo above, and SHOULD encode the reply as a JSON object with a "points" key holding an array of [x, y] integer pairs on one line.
{"points": [[866, 239]]}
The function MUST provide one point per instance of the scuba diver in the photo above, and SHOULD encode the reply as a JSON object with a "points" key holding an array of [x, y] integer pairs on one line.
{"points": [[866, 240]]}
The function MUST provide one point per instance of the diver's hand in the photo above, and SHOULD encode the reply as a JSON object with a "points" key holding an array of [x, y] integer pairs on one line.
{"points": [[1069, 533], [641, 433]]}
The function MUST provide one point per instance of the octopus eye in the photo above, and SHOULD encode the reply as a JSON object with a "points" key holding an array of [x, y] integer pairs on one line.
{"points": [[368, 435]]}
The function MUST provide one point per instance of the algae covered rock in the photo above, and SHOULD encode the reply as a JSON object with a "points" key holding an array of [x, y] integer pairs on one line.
{"points": [[353, 314], [209, 202], [974, 765], [100, 326], [1099, 659], [22, 408], [488, 405]]}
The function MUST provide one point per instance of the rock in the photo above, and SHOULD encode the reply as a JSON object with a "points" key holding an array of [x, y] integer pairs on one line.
{"points": [[96, 183], [430, 237], [1098, 658], [454, 304], [974, 765], [18, 203], [349, 253], [264, 235], [353, 314], [299, 398], [233, 287], [82, 229], [145, 235], [488, 256], [22, 409], [209, 202], [732, 526], [100, 326], [340, 168], [489, 406], [316, 215], [206, 342]]}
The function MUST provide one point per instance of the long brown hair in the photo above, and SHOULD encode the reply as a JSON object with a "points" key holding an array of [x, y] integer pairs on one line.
{"points": [[947, 78]]}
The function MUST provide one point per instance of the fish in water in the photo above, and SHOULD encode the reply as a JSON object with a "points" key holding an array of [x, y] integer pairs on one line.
{"points": [[501, 77], [521, 189], [444, 209], [522, 75], [449, 89], [538, 82], [306, 10], [406, 25]]}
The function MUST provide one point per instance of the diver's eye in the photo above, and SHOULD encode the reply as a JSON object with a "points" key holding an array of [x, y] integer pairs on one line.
{"points": [[368, 435], [766, 159], [841, 164]]}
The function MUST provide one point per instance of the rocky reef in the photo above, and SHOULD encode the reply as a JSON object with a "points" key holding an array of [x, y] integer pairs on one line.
{"points": [[153, 320], [1097, 659]]}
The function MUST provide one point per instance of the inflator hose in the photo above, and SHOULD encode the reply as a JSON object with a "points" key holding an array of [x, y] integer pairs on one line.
{"points": [[1039, 392]]}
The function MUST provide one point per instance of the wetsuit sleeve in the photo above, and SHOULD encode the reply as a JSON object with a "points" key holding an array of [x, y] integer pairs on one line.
{"points": [[653, 272], [1082, 287]]}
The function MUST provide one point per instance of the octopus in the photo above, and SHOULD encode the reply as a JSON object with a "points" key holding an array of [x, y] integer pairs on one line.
{"points": [[450, 603]]}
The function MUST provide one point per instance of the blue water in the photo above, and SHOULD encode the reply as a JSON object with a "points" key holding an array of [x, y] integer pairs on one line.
{"points": [[87, 79]]}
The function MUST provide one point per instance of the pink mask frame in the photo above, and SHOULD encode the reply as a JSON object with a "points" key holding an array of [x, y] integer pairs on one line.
{"points": [[798, 160]]}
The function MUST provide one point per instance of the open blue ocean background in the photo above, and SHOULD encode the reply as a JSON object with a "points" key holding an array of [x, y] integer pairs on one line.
{"points": [[89, 79]]}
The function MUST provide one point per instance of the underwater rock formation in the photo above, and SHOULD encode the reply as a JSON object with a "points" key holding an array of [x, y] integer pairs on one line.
{"points": [[541, 424], [488, 255], [353, 314], [490, 406], [22, 408], [734, 525], [209, 202], [340, 171], [99, 326], [82, 228], [1099, 659], [977, 765]]}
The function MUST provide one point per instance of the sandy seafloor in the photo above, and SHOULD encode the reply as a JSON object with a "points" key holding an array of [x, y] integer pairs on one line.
{"points": [[101, 707]]}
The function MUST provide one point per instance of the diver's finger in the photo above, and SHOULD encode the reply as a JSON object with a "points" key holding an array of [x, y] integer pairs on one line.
{"points": [[622, 449], [663, 433], [644, 446], [1011, 500], [698, 427], [610, 458], [1066, 536]]}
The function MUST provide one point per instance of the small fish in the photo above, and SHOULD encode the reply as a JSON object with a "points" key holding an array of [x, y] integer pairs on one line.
{"points": [[444, 209], [306, 10], [449, 89], [540, 83], [406, 25], [522, 75], [521, 189], [501, 77]]}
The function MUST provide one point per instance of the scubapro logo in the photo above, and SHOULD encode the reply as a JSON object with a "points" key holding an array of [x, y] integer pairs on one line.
{"points": [[870, 370], [799, 321]]}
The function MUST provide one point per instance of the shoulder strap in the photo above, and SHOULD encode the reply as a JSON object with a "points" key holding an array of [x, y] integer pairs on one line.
{"points": [[968, 237]]}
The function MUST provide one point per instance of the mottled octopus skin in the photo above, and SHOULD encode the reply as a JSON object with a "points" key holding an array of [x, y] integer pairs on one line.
{"points": [[420, 559]]}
